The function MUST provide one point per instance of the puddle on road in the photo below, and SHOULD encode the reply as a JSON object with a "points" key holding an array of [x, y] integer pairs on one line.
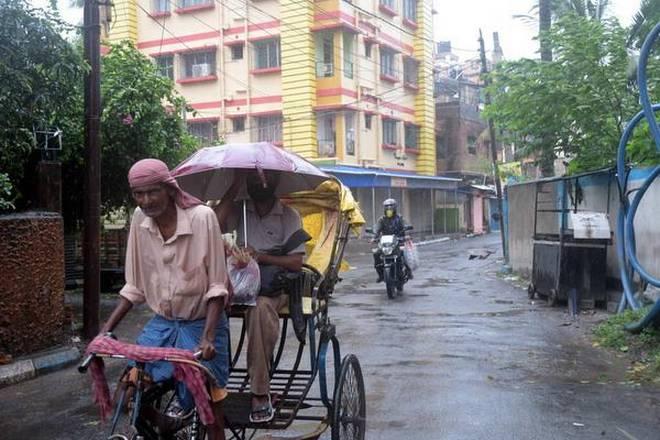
{"points": [[436, 282], [503, 301], [406, 363]]}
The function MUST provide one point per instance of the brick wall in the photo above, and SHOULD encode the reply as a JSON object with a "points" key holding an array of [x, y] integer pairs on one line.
{"points": [[32, 282]]}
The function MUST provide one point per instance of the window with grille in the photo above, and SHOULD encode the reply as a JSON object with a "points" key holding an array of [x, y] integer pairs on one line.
{"points": [[410, 71], [206, 132], [472, 144], [238, 125], [237, 52], [267, 54], [440, 147], [367, 49], [191, 3], [411, 136], [199, 64], [387, 3], [161, 6], [325, 55], [389, 131], [410, 10], [165, 65], [349, 126], [387, 59], [367, 121], [268, 128], [348, 55], [326, 135]]}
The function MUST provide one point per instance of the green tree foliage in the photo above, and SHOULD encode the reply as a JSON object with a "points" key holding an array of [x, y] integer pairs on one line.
{"points": [[142, 117], [42, 88], [5, 193], [580, 101], [643, 22], [39, 76]]}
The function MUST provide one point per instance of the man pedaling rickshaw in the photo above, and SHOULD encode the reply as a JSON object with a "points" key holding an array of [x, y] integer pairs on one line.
{"points": [[391, 223], [175, 262]]}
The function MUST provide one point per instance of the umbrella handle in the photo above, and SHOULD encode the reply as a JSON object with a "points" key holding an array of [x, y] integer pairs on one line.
{"points": [[262, 176], [245, 237]]}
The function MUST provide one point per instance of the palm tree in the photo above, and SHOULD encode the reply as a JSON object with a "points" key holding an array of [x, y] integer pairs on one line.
{"points": [[643, 21], [545, 22], [596, 10], [593, 9]]}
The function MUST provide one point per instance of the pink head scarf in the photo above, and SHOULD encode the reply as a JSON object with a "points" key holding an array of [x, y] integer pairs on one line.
{"points": [[154, 171]]}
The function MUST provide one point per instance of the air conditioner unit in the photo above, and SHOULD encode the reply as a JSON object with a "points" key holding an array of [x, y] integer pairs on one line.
{"points": [[327, 149], [201, 70], [328, 70]]}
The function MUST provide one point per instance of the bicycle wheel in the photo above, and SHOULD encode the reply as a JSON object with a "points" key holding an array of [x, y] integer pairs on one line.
{"points": [[165, 401], [349, 403]]}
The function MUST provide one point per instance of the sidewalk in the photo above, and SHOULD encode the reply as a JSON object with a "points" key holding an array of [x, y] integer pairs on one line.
{"points": [[31, 366]]}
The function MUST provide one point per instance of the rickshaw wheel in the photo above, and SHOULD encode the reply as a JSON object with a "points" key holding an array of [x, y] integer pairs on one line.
{"points": [[349, 410]]}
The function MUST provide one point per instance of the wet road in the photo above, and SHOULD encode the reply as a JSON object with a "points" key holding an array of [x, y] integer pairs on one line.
{"points": [[462, 354], [465, 355]]}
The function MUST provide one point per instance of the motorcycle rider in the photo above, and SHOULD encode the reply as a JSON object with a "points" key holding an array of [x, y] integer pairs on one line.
{"points": [[391, 223]]}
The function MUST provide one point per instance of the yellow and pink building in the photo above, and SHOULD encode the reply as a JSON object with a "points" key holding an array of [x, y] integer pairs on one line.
{"points": [[343, 83]]}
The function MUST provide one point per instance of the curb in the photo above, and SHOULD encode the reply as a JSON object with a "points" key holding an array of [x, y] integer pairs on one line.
{"points": [[39, 364]]}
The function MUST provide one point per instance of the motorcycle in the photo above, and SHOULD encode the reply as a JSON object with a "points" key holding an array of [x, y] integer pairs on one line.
{"points": [[396, 272]]}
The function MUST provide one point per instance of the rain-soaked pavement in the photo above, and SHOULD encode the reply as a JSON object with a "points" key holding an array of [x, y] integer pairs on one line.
{"points": [[462, 354]]}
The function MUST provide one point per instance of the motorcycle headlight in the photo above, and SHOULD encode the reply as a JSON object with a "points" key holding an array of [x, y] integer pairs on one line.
{"points": [[387, 250]]}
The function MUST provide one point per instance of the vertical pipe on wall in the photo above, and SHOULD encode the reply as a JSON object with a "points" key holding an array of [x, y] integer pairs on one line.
{"points": [[432, 212]]}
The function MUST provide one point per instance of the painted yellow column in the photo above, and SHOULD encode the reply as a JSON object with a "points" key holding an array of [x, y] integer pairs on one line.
{"points": [[424, 102], [125, 25], [298, 77]]}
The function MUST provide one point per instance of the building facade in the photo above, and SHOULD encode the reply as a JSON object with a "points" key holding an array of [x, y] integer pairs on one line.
{"points": [[462, 137], [341, 83]]}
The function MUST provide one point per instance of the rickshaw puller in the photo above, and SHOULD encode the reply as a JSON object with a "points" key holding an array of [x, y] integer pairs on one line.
{"points": [[175, 262]]}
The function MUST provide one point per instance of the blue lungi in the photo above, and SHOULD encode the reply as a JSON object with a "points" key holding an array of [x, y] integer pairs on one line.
{"points": [[184, 334]]}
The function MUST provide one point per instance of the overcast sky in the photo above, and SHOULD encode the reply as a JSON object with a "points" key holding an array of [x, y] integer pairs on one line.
{"points": [[460, 20]]}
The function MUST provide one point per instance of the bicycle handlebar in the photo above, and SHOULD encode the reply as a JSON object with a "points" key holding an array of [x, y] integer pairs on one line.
{"points": [[84, 365], [82, 368]]}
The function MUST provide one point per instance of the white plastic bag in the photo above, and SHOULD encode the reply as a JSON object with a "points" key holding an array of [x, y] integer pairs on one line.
{"points": [[410, 252], [246, 281]]}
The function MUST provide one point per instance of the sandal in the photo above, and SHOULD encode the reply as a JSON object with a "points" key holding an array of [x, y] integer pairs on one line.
{"points": [[262, 413]]}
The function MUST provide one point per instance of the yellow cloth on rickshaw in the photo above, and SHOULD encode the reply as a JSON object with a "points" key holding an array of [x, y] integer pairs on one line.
{"points": [[322, 211]]}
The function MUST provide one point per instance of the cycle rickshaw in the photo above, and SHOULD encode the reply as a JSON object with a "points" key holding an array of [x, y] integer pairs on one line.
{"points": [[330, 215]]}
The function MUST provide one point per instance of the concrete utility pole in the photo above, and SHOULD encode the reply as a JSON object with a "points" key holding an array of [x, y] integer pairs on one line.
{"points": [[92, 205], [493, 146]]}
